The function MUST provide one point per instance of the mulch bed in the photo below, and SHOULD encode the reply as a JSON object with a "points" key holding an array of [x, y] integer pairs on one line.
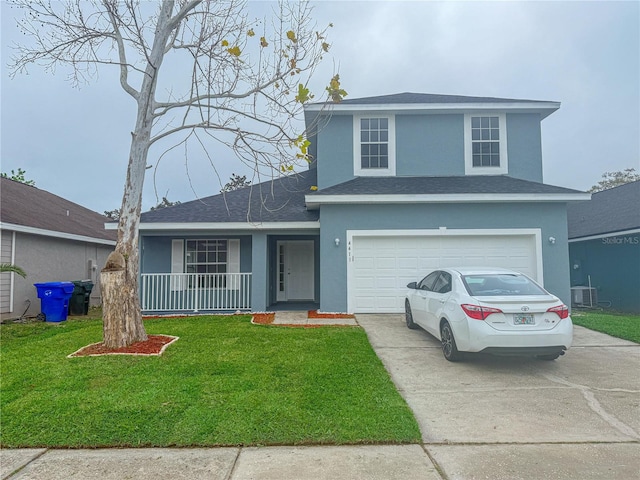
{"points": [[155, 345], [263, 318], [268, 319]]}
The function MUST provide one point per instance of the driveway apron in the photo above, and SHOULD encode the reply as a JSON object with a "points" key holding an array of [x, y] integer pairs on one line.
{"points": [[510, 417]]}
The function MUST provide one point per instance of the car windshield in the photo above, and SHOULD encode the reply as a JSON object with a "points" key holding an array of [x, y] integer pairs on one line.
{"points": [[500, 285]]}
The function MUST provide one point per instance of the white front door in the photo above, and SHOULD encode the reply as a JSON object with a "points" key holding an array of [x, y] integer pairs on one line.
{"points": [[295, 270]]}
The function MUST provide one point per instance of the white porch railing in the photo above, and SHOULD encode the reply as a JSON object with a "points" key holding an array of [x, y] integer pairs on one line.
{"points": [[172, 292]]}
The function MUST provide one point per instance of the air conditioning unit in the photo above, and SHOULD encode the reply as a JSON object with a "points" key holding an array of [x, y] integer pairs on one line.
{"points": [[584, 297]]}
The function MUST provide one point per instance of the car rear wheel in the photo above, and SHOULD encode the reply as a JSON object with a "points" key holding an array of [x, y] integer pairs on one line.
{"points": [[449, 348], [408, 316]]}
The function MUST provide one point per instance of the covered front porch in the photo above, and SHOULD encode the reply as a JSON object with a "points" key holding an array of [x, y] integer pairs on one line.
{"points": [[264, 271]]}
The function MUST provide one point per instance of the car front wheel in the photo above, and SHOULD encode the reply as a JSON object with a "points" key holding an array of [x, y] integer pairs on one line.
{"points": [[449, 348], [408, 316]]}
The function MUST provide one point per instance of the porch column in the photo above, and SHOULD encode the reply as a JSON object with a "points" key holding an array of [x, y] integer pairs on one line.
{"points": [[259, 272]]}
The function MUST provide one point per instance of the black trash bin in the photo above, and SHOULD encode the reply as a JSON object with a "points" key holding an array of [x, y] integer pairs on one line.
{"points": [[79, 302]]}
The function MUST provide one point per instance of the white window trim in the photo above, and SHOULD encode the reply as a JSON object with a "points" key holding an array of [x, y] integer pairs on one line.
{"points": [[186, 264], [469, 169], [178, 260], [358, 171]]}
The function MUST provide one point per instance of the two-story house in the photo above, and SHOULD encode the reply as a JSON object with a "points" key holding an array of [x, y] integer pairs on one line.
{"points": [[406, 183]]}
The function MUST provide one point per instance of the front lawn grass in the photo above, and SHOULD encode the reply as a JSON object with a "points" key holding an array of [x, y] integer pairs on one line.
{"points": [[224, 382], [626, 326]]}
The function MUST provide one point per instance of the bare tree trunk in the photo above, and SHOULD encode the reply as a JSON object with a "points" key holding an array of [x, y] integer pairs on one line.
{"points": [[122, 315], [121, 312], [124, 326]]}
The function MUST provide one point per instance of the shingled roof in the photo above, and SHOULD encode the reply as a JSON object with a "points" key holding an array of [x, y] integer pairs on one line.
{"points": [[410, 101], [614, 210], [498, 184], [426, 98], [28, 206], [278, 200]]}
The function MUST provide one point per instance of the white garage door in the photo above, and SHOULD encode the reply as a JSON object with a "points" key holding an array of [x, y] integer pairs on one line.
{"points": [[380, 266]]}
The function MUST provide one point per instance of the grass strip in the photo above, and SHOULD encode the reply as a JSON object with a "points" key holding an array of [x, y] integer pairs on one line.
{"points": [[625, 326]]}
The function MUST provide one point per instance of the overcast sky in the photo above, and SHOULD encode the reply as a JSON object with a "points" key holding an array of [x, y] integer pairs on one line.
{"points": [[586, 55]]}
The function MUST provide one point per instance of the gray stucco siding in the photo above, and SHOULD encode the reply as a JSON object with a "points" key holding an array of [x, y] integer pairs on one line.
{"points": [[335, 151], [524, 146], [50, 259], [429, 145], [338, 219]]}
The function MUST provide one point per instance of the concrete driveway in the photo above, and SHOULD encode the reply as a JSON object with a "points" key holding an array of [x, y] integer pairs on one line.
{"points": [[519, 418]]}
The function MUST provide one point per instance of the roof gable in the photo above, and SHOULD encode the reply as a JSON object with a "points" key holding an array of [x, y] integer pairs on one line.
{"points": [[28, 206]]}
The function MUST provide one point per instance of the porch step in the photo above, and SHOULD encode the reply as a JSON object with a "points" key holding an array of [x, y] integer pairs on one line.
{"points": [[300, 318]]}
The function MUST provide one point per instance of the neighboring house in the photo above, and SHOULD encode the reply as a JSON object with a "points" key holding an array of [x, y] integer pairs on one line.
{"points": [[604, 248], [51, 239], [406, 184]]}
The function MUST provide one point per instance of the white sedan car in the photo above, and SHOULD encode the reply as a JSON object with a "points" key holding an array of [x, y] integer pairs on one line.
{"points": [[489, 310]]}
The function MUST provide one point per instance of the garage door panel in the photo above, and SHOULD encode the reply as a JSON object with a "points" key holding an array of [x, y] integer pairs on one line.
{"points": [[408, 263], [383, 266], [429, 264], [386, 263], [365, 284]]}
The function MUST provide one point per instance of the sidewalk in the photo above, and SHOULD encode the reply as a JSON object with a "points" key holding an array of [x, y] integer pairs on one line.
{"points": [[265, 463]]}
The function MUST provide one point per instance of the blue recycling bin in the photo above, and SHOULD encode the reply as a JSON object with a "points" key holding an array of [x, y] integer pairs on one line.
{"points": [[54, 299]]}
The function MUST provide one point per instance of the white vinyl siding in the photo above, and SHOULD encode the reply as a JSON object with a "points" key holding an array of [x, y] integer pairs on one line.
{"points": [[6, 280]]}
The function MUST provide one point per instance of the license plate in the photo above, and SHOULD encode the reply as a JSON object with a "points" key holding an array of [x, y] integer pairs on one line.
{"points": [[523, 319]]}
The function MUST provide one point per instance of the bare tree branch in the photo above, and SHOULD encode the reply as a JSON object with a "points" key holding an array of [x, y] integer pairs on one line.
{"points": [[244, 86], [124, 71]]}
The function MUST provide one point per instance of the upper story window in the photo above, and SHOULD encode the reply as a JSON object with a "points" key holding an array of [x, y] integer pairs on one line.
{"points": [[374, 145], [485, 141], [485, 144]]}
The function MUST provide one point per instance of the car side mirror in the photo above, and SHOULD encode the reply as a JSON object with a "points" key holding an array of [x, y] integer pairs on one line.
{"points": [[412, 285]]}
